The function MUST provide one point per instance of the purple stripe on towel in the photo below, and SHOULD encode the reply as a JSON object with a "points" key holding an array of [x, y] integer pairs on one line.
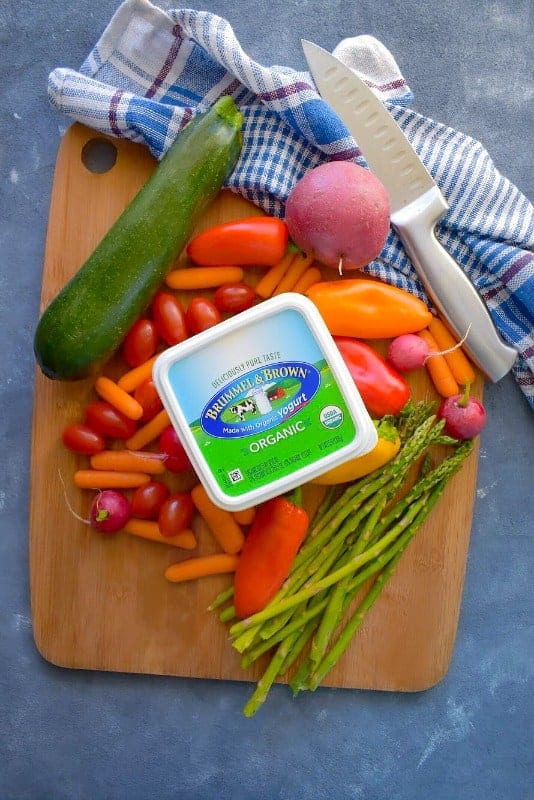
{"points": [[232, 87], [517, 266], [113, 106], [286, 91], [387, 87], [169, 61]]}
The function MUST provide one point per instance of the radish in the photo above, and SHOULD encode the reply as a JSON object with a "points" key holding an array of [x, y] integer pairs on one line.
{"points": [[176, 459], [407, 352], [110, 511], [464, 416], [339, 213]]}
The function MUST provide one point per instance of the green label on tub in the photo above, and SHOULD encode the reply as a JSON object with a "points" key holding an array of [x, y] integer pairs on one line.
{"points": [[263, 415]]}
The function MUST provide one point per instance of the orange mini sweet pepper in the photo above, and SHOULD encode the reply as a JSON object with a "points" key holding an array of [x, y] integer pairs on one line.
{"points": [[368, 309]]}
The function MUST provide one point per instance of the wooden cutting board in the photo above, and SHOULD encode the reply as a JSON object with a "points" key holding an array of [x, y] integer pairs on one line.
{"points": [[103, 603]]}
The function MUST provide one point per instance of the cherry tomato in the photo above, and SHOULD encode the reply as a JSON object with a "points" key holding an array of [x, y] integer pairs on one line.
{"points": [[234, 297], [107, 421], [82, 439], [146, 394], [148, 499], [170, 318], [202, 314], [177, 459], [176, 513], [140, 343]]}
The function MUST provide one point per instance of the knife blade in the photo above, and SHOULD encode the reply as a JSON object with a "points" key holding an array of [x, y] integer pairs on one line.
{"points": [[417, 204]]}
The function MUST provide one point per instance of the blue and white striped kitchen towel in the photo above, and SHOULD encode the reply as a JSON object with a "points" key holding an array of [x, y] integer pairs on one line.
{"points": [[151, 71]]}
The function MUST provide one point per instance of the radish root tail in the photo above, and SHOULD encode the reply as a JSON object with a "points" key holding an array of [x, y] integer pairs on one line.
{"points": [[67, 501], [449, 349]]}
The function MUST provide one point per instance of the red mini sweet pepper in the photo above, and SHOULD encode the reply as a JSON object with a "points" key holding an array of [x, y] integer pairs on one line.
{"points": [[382, 388], [270, 547], [249, 241]]}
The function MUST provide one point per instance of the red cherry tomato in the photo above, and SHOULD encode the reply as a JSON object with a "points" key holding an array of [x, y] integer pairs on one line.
{"points": [[146, 394], [177, 459], [169, 317], [82, 439], [148, 499], [140, 343], [202, 314], [107, 421], [175, 514], [234, 297]]}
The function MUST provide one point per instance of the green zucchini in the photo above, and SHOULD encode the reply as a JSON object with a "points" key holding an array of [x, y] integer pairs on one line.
{"points": [[87, 321]]}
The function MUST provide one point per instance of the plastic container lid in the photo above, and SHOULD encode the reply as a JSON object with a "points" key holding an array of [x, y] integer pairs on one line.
{"points": [[263, 402]]}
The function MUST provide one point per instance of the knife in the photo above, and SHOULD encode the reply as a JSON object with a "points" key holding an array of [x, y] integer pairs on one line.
{"points": [[416, 206]]}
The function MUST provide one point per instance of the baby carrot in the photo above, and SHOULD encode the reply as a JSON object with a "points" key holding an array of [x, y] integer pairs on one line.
{"points": [[149, 529], [136, 376], [118, 398], [129, 461], [149, 432], [246, 516], [268, 283], [221, 523], [456, 359], [191, 568], [311, 276], [297, 268], [438, 369], [203, 277], [109, 479]]}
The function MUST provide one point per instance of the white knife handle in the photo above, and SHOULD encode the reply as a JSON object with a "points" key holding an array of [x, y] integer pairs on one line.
{"points": [[449, 287]]}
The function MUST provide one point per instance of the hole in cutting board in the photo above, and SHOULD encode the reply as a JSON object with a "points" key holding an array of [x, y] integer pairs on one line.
{"points": [[99, 155]]}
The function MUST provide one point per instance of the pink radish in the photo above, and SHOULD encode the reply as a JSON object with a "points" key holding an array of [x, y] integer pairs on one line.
{"points": [[339, 213], [464, 416], [176, 459], [110, 511], [407, 352]]}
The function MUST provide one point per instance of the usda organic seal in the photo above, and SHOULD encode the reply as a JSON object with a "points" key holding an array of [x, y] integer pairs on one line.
{"points": [[331, 417]]}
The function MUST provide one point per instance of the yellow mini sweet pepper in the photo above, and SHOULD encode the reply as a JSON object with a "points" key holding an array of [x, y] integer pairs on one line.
{"points": [[385, 449]]}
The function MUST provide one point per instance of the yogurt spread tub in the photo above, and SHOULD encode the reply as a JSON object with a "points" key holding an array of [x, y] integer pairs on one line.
{"points": [[263, 402]]}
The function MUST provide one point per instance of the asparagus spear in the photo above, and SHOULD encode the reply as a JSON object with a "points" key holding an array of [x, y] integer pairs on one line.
{"points": [[312, 673], [361, 535]]}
